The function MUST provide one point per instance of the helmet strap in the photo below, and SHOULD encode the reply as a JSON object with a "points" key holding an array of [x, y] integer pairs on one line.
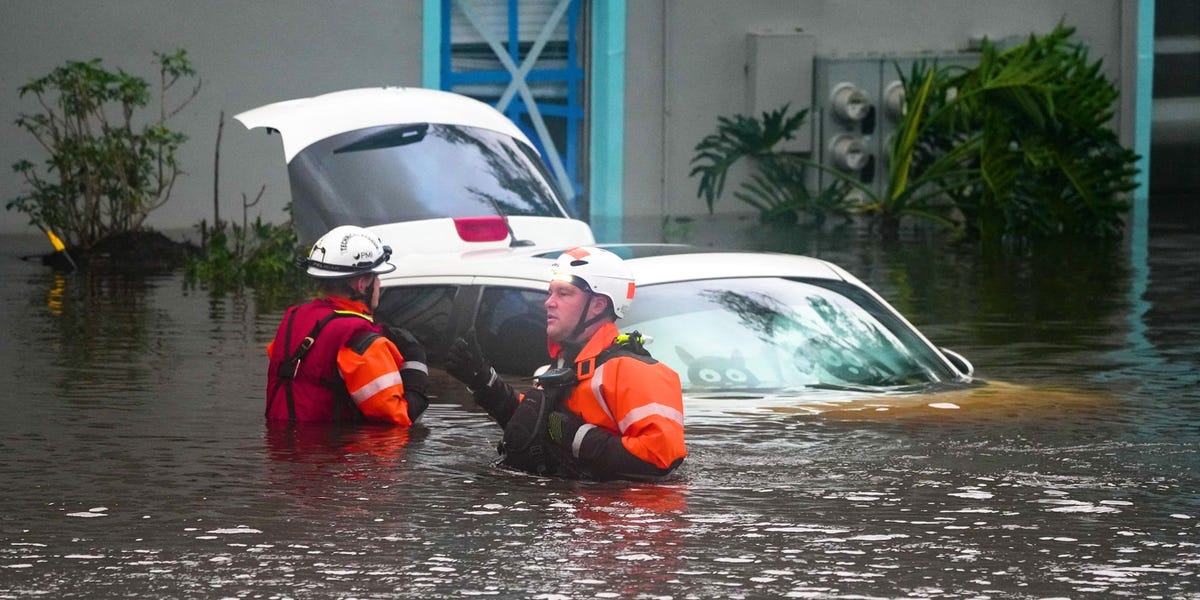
{"points": [[584, 323]]}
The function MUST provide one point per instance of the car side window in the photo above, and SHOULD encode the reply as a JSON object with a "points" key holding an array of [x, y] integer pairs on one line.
{"points": [[424, 310], [511, 328]]}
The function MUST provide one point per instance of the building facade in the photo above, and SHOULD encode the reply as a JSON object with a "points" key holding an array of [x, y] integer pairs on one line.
{"points": [[617, 92]]}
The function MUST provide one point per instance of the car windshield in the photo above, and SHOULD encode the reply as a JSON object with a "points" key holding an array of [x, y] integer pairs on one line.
{"points": [[400, 173], [775, 334]]}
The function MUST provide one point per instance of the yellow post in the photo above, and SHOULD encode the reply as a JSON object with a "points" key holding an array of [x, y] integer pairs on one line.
{"points": [[60, 247], [58, 244]]}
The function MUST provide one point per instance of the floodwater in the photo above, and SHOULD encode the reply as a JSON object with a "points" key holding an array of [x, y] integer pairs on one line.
{"points": [[134, 461]]}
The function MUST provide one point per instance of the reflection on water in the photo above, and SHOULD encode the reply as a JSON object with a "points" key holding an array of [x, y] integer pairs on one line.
{"points": [[137, 463]]}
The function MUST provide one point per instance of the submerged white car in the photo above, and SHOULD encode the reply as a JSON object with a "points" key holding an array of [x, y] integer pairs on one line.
{"points": [[747, 323], [461, 196]]}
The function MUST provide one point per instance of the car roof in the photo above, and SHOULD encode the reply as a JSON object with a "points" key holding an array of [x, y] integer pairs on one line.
{"points": [[650, 263], [305, 121], [442, 238], [719, 265]]}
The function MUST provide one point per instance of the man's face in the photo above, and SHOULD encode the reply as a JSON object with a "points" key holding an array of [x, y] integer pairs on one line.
{"points": [[564, 306]]}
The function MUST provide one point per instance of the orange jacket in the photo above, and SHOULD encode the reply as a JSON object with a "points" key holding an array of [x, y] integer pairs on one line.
{"points": [[633, 397], [368, 366]]}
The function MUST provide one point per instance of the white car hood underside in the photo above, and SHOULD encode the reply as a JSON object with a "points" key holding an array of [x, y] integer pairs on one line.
{"points": [[304, 121]]}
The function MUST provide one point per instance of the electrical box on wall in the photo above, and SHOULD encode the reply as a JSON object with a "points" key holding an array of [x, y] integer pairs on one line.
{"points": [[846, 94], [779, 71], [857, 105]]}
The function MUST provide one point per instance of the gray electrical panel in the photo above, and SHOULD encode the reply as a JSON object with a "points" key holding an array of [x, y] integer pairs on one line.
{"points": [[858, 102]]}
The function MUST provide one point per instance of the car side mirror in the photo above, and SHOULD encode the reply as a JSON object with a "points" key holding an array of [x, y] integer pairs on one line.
{"points": [[959, 361]]}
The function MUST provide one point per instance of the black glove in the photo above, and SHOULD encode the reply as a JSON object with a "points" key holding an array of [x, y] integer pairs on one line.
{"points": [[464, 362], [561, 427], [408, 345], [522, 429], [414, 371], [524, 444]]}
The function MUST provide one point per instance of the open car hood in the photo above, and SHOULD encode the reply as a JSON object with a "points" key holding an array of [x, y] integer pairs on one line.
{"points": [[409, 160]]}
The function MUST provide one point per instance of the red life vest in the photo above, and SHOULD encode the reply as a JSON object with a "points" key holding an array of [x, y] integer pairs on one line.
{"points": [[312, 389]]}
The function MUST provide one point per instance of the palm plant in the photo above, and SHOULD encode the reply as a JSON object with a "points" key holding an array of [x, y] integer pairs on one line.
{"points": [[1017, 147], [1048, 162], [777, 188], [919, 179]]}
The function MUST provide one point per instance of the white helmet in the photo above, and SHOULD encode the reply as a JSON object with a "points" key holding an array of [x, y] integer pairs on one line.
{"points": [[347, 251], [599, 271]]}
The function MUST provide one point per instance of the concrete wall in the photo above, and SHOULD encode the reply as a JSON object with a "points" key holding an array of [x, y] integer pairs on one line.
{"points": [[248, 53], [685, 67]]}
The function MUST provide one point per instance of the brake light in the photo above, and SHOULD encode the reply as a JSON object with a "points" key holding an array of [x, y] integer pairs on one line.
{"points": [[481, 229]]}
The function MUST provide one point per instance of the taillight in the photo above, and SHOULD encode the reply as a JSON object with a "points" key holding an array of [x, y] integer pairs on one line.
{"points": [[481, 229]]}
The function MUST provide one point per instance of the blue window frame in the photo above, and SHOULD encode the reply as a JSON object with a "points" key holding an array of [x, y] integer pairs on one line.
{"points": [[523, 57]]}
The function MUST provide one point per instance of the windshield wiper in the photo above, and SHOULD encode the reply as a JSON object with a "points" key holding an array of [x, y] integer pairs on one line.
{"points": [[836, 387], [392, 137], [514, 242]]}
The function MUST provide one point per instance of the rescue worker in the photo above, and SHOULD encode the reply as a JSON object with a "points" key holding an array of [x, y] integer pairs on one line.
{"points": [[609, 410], [330, 360]]}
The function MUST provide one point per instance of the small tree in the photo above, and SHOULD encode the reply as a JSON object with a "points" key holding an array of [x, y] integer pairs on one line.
{"points": [[104, 173], [257, 255]]}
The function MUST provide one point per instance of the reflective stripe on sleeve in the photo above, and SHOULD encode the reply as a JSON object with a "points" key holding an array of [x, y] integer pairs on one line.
{"points": [[580, 433], [382, 382], [647, 410], [598, 392], [417, 366]]}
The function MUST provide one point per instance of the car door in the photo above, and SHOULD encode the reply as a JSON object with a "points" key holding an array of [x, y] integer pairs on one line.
{"points": [[428, 310], [510, 324], [509, 321]]}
